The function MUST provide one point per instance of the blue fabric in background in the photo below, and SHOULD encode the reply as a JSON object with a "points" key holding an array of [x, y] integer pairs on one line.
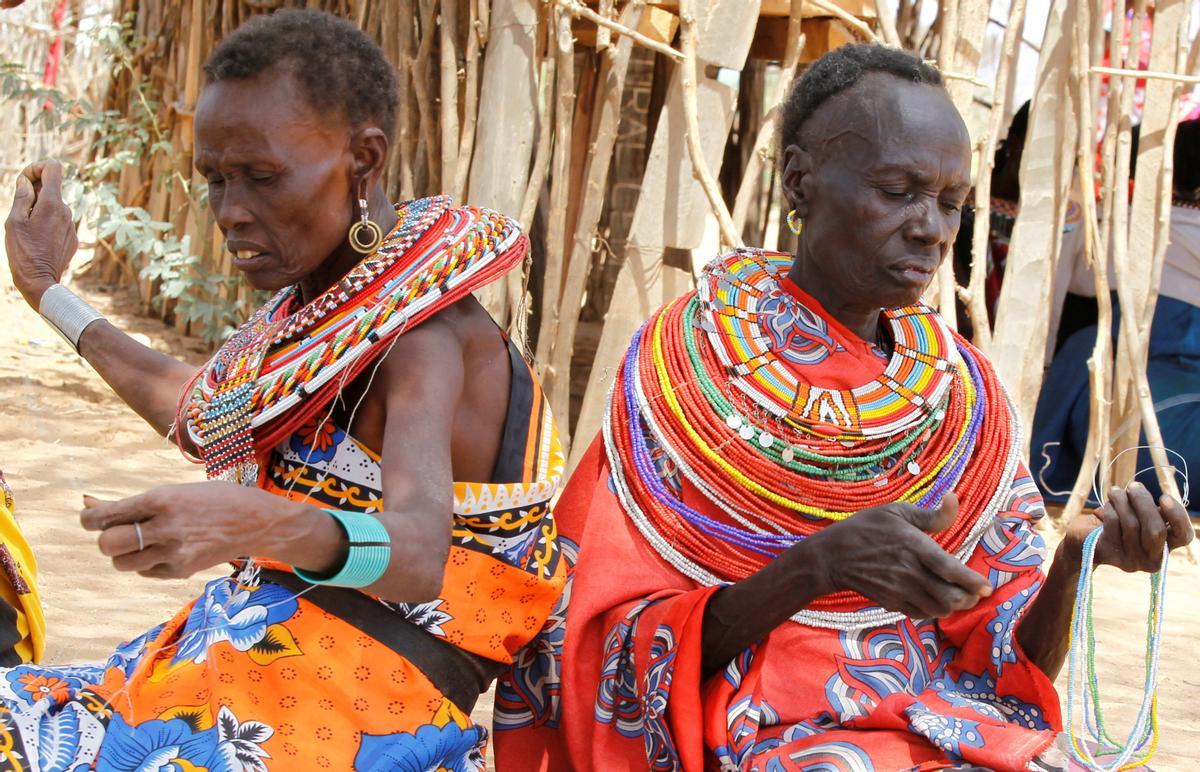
{"points": [[1060, 425]]}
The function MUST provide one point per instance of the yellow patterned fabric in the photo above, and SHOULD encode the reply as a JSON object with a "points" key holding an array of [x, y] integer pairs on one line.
{"points": [[22, 624]]}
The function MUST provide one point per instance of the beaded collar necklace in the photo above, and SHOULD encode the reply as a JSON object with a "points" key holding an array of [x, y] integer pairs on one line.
{"points": [[775, 474], [287, 362], [736, 309]]}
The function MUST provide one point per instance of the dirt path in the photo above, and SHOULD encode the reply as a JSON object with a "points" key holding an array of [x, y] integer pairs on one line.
{"points": [[65, 434]]}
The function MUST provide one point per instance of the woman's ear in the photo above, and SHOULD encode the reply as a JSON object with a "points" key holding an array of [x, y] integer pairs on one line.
{"points": [[369, 149], [797, 165]]}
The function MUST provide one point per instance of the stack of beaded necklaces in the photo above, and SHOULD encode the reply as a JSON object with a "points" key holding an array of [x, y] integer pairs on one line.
{"points": [[780, 459], [288, 361]]}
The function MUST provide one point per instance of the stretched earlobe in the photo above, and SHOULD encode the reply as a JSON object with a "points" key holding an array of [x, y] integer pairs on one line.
{"points": [[796, 165]]}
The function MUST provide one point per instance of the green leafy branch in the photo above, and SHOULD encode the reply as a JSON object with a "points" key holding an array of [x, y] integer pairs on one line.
{"points": [[203, 298]]}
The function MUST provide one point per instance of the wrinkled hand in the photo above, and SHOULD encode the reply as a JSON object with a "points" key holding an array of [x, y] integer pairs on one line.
{"points": [[185, 528], [885, 554], [1135, 529], [39, 234]]}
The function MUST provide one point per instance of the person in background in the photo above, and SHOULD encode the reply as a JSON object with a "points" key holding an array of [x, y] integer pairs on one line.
{"points": [[22, 622], [1060, 425]]}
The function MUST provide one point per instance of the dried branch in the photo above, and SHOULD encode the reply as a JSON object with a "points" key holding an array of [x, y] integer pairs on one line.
{"points": [[557, 370], [1147, 74], [466, 149], [887, 24], [541, 157], [604, 33], [419, 77], [448, 83], [576, 8], [729, 233], [560, 186], [766, 133], [853, 22], [1099, 365], [975, 300]]}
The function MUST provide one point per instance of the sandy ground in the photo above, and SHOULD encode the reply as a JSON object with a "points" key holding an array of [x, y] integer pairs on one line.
{"points": [[64, 434]]}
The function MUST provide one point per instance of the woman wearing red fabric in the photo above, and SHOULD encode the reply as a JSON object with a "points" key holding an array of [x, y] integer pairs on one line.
{"points": [[805, 539]]}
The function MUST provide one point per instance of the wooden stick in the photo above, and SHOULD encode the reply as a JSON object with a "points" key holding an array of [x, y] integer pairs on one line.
{"points": [[1124, 405], [404, 159], [576, 8], [751, 177], [1147, 74], [729, 234], [604, 33], [466, 148], [973, 80], [448, 87], [853, 22], [1149, 230], [1100, 363], [541, 157], [976, 301], [560, 185], [485, 22], [419, 72], [946, 285], [1193, 61], [557, 371], [887, 24]]}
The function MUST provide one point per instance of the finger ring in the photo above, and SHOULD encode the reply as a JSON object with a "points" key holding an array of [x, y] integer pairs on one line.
{"points": [[137, 528]]}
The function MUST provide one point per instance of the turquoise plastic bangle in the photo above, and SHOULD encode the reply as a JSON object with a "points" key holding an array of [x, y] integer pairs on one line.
{"points": [[369, 554]]}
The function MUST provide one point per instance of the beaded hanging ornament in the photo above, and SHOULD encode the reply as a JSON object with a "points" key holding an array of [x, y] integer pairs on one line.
{"points": [[289, 360], [705, 385]]}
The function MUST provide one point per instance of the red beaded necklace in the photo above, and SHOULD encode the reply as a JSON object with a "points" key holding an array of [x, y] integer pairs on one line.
{"points": [[682, 391]]}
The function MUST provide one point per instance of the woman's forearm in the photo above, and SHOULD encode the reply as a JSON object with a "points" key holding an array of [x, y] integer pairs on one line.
{"points": [[148, 381], [309, 538], [741, 614], [1043, 632]]}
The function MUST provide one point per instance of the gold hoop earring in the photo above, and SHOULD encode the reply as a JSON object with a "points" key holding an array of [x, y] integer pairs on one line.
{"points": [[365, 235], [794, 222]]}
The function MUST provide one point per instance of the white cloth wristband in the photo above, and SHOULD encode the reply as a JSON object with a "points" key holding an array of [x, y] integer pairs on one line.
{"points": [[68, 313]]}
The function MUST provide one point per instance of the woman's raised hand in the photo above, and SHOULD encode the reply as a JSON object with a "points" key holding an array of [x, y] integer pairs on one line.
{"points": [[39, 235], [886, 554], [1135, 529]]}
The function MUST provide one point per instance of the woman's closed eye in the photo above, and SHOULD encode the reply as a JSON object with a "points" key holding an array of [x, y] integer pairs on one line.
{"points": [[897, 194]]}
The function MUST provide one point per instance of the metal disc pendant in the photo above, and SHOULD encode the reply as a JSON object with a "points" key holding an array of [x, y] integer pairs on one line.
{"points": [[788, 455], [747, 432], [766, 440], [734, 421], [913, 468], [365, 236]]}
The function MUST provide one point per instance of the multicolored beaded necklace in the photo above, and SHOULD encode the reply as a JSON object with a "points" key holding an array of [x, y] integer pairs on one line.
{"points": [[288, 361], [779, 459]]}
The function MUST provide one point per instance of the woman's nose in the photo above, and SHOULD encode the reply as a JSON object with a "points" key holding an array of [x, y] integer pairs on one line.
{"points": [[228, 207], [926, 224]]}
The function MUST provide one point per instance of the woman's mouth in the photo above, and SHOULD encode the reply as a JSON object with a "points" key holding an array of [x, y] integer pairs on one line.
{"points": [[914, 274], [249, 259]]}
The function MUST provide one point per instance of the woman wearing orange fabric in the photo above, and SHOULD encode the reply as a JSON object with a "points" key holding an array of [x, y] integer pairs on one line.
{"points": [[381, 457]]}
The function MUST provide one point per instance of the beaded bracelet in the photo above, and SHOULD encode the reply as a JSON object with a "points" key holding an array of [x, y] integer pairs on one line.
{"points": [[369, 554]]}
